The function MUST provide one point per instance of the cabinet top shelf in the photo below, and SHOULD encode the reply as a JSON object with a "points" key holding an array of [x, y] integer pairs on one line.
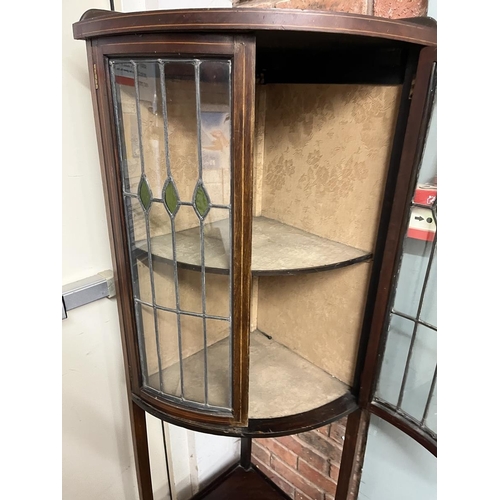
{"points": [[277, 249], [96, 23]]}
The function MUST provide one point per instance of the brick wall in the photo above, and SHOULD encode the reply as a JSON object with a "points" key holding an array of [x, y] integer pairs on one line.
{"points": [[306, 466], [394, 9]]}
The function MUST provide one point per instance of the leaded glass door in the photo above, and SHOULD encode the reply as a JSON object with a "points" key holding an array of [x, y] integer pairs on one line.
{"points": [[180, 184], [404, 389], [399, 460], [399, 372]]}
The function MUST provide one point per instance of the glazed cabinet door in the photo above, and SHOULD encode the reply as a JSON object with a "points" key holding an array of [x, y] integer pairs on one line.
{"points": [[408, 259], [174, 116]]}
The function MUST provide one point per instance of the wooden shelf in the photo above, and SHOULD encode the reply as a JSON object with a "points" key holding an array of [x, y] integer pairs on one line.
{"points": [[282, 383], [277, 249]]}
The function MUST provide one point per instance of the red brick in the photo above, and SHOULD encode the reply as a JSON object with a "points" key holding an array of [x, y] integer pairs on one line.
{"points": [[323, 445], [329, 497], [334, 472], [354, 6], [396, 9], [260, 453], [324, 430], [342, 422], [307, 453], [300, 496], [277, 480], [280, 451], [292, 477], [266, 4], [317, 478], [337, 433]]}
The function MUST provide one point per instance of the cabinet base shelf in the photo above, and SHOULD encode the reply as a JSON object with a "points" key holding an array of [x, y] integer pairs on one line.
{"points": [[238, 483], [282, 383]]}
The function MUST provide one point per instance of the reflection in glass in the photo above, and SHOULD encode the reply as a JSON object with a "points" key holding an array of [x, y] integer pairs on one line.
{"points": [[394, 360], [151, 359], [160, 236], [218, 363], [215, 113], [128, 129], [182, 126], [395, 466], [412, 273], [420, 372], [429, 304], [169, 351]]}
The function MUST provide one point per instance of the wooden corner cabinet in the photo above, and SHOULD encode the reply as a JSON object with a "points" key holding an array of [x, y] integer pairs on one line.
{"points": [[257, 166]]}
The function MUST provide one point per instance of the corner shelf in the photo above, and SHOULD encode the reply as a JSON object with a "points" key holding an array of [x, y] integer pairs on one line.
{"points": [[277, 249], [280, 379]]}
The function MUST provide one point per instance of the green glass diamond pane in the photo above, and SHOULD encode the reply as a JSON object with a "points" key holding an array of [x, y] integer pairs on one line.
{"points": [[201, 201], [144, 194], [171, 198]]}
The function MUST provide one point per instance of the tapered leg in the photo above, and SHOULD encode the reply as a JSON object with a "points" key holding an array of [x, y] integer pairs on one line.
{"points": [[141, 451]]}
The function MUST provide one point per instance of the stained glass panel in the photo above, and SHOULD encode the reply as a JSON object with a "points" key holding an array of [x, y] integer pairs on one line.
{"points": [[182, 308]]}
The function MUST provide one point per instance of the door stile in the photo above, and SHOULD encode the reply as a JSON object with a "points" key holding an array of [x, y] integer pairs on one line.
{"points": [[243, 129]]}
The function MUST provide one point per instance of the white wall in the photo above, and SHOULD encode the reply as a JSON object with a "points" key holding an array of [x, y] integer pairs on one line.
{"points": [[96, 444]]}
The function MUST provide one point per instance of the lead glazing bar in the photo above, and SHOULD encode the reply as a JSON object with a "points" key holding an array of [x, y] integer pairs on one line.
{"points": [[429, 397], [202, 233], [181, 203], [182, 312], [172, 222], [411, 318], [190, 404]]}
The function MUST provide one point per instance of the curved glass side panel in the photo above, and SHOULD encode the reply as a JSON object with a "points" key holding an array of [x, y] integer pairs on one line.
{"points": [[174, 129], [408, 376], [395, 466]]}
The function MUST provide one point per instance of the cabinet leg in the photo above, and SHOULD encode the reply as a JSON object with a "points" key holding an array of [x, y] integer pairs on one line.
{"points": [[141, 451], [246, 453], [352, 455]]}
